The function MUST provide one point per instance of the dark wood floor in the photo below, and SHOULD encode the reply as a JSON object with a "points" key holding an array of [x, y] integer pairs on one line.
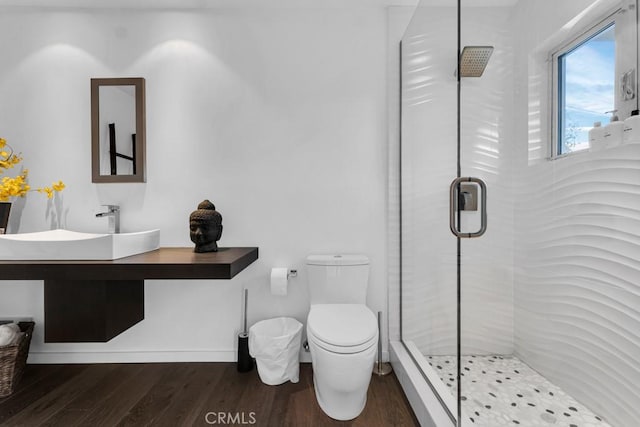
{"points": [[182, 394]]}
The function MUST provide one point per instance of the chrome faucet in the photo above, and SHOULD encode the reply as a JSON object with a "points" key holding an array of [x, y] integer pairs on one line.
{"points": [[113, 212]]}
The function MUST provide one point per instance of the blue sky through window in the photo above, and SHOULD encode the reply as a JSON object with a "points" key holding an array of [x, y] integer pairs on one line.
{"points": [[589, 88]]}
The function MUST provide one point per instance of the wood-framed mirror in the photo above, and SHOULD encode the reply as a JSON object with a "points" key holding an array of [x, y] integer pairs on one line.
{"points": [[118, 130]]}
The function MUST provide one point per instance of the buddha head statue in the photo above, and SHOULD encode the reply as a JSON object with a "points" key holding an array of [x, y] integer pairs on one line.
{"points": [[205, 226]]}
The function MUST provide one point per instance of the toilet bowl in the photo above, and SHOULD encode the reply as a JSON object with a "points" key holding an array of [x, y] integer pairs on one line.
{"points": [[343, 339]]}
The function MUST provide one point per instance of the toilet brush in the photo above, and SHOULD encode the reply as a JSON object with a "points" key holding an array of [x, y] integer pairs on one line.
{"points": [[245, 362], [380, 368]]}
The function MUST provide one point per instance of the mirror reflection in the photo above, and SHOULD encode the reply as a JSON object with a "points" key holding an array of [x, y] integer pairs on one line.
{"points": [[118, 133], [117, 130]]}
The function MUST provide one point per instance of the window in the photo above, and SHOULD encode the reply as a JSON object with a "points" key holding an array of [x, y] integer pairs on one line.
{"points": [[584, 86]]}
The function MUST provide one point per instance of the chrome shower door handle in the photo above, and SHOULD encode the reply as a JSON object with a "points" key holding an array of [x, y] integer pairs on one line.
{"points": [[454, 194]]}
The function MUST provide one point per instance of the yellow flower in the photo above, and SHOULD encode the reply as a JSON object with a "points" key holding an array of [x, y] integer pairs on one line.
{"points": [[58, 186], [7, 158], [47, 190], [13, 187], [17, 186]]}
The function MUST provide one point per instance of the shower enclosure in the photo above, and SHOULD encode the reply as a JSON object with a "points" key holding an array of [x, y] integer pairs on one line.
{"points": [[520, 247]]}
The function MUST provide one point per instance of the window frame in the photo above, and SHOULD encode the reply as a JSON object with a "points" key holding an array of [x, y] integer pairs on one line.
{"points": [[556, 110]]}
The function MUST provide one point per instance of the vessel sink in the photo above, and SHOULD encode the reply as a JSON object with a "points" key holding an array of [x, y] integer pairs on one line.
{"points": [[72, 245]]}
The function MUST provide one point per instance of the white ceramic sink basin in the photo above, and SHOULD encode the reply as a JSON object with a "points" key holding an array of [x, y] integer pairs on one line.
{"points": [[72, 245]]}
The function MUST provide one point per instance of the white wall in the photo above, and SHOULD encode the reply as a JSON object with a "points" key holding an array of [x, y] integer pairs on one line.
{"points": [[278, 116], [577, 222]]}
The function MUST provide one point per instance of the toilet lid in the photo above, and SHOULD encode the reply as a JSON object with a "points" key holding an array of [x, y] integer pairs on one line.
{"points": [[342, 325]]}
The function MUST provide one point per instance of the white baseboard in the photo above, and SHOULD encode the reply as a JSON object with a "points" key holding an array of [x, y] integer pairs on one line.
{"points": [[125, 356], [49, 357]]}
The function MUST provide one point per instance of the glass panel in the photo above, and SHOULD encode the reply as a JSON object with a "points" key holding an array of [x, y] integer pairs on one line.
{"points": [[429, 158]]}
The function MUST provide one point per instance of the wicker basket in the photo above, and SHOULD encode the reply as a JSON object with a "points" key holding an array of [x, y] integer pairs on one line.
{"points": [[13, 359]]}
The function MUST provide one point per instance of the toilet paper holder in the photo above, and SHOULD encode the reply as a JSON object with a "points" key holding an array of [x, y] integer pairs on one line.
{"points": [[280, 277]]}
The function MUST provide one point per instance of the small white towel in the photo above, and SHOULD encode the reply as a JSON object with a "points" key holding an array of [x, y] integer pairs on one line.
{"points": [[8, 333]]}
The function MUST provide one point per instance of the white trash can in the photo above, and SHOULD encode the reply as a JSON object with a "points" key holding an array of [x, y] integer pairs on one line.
{"points": [[275, 344]]}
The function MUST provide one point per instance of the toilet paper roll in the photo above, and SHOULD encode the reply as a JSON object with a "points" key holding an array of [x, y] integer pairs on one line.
{"points": [[279, 281]]}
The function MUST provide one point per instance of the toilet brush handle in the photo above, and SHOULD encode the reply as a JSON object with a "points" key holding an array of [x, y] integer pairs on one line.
{"points": [[379, 338], [380, 368], [246, 306], [245, 362]]}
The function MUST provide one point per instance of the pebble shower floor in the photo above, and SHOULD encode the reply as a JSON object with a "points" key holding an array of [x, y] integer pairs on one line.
{"points": [[504, 391]]}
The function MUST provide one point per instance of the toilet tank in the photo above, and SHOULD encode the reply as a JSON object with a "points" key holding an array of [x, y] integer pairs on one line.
{"points": [[338, 279]]}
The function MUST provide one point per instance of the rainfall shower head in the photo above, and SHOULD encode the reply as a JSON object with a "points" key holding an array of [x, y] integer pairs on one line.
{"points": [[474, 59]]}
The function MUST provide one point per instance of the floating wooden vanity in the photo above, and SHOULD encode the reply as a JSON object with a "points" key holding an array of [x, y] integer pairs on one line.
{"points": [[93, 301]]}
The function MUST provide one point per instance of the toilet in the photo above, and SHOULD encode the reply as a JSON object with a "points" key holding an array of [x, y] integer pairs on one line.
{"points": [[342, 333]]}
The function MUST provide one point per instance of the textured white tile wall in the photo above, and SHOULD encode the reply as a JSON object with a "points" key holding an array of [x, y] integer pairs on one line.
{"points": [[577, 222], [577, 288], [429, 166]]}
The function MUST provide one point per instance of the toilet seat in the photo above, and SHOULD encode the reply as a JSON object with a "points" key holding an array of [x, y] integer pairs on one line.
{"points": [[342, 328]]}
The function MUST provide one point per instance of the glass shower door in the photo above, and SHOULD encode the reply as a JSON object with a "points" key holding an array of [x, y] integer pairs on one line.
{"points": [[527, 314], [549, 295], [484, 215], [451, 145]]}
